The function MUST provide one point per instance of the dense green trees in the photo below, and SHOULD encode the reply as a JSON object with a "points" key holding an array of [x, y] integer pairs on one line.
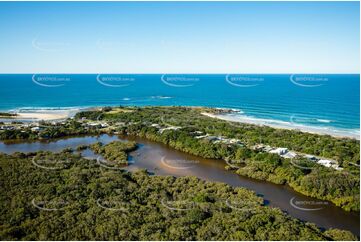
{"points": [[114, 151], [84, 201], [2, 114], [49, 131]]}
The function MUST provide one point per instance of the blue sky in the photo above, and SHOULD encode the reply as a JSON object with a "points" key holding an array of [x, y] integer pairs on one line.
{"points": [[179, 37]]}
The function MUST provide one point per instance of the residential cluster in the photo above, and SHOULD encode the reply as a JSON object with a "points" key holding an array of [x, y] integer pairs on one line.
{"points": [[34, 126], [285, 153], [219, 139]]}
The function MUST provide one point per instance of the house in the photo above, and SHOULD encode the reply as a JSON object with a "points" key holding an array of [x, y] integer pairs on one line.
{"points": [[94, 124], [279, 151], [37, 128], [104, 125], [235, 141], [7, 127], [327, 163], [35, 124], [169, 128], [336, 167], [197, 132], [201, 136], [155, 125], [289, 155]]}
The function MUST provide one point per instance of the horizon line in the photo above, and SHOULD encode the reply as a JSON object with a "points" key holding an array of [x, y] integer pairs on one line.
{"points": [[176, 73]]}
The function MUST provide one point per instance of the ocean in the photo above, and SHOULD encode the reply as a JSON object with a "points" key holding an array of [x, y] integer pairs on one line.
{"points": [[322, 101]]}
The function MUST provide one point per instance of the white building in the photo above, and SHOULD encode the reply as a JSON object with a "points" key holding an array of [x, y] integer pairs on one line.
{"points": [[201, 136], [94, 124], [104, 125], [327, 163], [197, 132], [36, 128], [235, 141], [279, 151], [336, 167], [289, 155], [155, 125], [168, 128]]}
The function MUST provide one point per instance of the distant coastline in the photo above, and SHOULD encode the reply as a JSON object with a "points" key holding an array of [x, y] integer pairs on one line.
{"points": [[232, 117], [36, 114]]}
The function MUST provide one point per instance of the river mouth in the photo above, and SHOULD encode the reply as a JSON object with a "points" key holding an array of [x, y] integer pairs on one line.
{"points": [[160, 159]]}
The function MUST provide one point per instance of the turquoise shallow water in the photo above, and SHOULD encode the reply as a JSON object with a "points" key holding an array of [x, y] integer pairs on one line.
{"points": [[324, 101]]}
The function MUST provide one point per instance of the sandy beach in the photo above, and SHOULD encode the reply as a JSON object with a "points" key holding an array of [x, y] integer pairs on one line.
{"points": [[284, 125], [46, 115]]}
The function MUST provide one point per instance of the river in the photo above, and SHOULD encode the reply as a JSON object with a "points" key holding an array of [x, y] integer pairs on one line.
{"points": [[163, 160]]}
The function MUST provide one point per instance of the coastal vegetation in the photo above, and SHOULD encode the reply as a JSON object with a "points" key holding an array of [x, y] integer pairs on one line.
{"points": [[47, 130], [80, 200], [181, 127], [7, 115], [115, 151]]}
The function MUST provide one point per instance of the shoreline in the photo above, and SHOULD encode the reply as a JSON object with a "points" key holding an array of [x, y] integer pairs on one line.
{"points": [[36, 114], [227, 116]]}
